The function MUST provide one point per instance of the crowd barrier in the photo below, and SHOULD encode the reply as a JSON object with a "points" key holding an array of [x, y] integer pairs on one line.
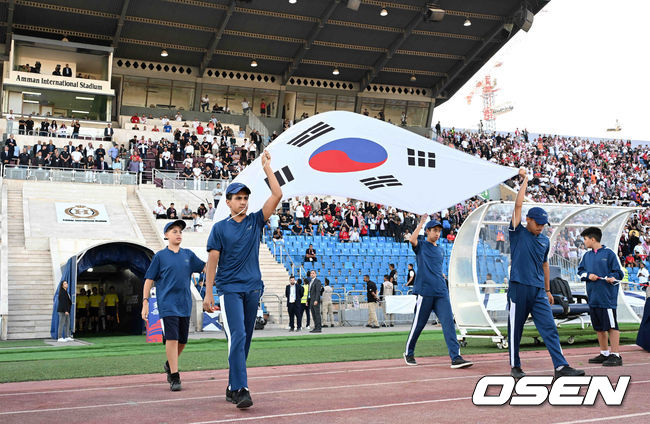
{"points": [[70, 175]]}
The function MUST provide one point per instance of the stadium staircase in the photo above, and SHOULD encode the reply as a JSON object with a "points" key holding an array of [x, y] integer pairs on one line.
{"points": [[30, 276], [152, 240], [275, 278]]}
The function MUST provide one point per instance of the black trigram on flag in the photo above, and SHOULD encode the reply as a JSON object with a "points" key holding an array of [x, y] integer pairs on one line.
{"points": [[287, 174], [423, 159], [382, 181], [310, 134]]}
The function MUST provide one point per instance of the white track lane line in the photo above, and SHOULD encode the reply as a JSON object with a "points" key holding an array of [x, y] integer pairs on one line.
{"points": [[614, 417], [263, 377], [348, 386], [329, 411]]}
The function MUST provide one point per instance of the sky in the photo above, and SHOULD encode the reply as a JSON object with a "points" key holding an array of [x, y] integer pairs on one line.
{"points": [[582, 65]]}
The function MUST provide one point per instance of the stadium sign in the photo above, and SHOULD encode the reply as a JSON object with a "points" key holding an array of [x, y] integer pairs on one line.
{"points": [[81, 212], [534, 390], [59, 83]]}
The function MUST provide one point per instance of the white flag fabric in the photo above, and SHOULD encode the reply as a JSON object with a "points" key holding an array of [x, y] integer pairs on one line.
{"points": [[403, 304], [351, 155]]}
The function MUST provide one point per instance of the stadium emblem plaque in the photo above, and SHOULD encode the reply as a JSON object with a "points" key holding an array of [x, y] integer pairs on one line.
{"points": [[78, 213]]}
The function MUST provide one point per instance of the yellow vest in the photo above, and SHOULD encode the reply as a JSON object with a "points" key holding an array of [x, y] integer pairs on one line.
{"points": [[305, 293]]}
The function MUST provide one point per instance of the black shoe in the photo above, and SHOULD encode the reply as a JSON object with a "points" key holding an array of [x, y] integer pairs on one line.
{"points": [[567, 371], [242, 398], [168, 371], [613, 361], [409, 359], [392, 325], [384, 325], [461, 363], [368, 325], [228, 394], [331, 325], [316, 331], [517, 372], [175, 383], [598, 359], [375, 326]]}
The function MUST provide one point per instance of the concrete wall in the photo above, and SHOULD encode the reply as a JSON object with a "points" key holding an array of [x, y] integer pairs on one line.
{"points": [[39, 200]]}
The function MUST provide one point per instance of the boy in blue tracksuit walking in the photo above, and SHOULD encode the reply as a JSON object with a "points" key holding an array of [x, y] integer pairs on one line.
{"points": [[234, 245], [529, 290], [599, 269], [171, 269], [431, 294]]}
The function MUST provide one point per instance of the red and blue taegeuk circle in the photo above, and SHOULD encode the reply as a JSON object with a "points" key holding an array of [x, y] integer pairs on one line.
{"points": [[348, 155]]}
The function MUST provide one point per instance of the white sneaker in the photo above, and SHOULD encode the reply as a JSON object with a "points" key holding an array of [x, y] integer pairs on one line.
{"points": [[69, 339], [308, 328], [61, 340]]}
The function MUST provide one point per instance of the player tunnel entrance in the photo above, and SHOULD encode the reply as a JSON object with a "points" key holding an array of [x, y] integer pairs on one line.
{"points": [[113, 274]]}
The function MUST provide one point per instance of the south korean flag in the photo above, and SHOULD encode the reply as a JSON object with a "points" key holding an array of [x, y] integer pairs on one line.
{"points": [[351, 155]]}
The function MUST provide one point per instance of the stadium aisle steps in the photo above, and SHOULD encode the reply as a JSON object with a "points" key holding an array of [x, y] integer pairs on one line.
{"points": [[139, 213], [30, 276], [275, 279]]}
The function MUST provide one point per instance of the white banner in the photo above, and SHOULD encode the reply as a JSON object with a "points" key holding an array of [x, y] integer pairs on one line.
{"points": [[400, 304], [81, 212], [80, 85], [351, 155]]}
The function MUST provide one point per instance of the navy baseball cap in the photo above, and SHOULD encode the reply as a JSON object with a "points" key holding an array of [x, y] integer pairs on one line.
{"points": [[236, 188], [178, 223], [539, 215], [432, 224]]}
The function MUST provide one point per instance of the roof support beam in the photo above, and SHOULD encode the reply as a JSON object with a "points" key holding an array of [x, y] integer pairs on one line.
{"points": [[458, 69], [11, 5], [322, 21], [207, 57], [120, 23], [386, 56]]}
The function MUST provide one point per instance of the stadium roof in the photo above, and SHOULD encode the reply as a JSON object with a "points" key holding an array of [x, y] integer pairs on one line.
{"points": [[308, 38]]}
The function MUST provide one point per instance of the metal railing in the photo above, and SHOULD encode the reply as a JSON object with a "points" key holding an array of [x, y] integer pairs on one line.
{"points": [[274, 299], [279, 248], [92, 134], [71, 175], [172, 180], [255, 123], [4, 265], [348, 305]]}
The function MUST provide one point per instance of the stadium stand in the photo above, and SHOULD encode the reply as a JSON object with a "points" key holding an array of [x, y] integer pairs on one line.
{"points": [[346, 264]]}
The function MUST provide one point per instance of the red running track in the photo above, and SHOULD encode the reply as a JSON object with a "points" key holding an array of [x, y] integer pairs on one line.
{"points": [[385, 391]]}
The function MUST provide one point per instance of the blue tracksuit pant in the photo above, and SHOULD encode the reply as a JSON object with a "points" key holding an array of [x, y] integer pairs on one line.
{"points": [[442, 307], [239, 311], [524, 300]]}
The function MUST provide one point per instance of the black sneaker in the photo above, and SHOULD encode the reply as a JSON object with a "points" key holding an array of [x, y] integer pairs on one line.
{"points": [[409, 359], [242, 398], [517, 372], [228, 394], [175, 383], [598, 359], [567, 371], [168, 371], [613, 361], [461, 363]]}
